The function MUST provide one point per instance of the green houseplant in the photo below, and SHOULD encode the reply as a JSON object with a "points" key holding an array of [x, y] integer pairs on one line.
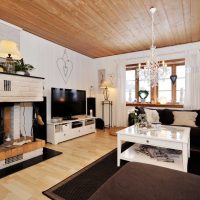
{"points": [[132, 117], [21, 67]]}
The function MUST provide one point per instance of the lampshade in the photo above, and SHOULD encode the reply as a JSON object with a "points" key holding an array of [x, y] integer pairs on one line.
{"points": [[9, 47], [106, 84]]}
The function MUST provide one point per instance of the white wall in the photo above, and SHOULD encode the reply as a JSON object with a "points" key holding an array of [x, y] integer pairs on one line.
{"points": [[43, 54], [9, 32], [112, 63]]}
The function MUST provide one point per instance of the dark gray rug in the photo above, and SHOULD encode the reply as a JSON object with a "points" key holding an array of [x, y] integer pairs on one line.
{"points": [[47, 154], [81, 185]]}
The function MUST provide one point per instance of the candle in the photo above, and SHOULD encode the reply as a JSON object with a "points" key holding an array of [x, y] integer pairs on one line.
{"points": [[139, 66], [91, 113]]}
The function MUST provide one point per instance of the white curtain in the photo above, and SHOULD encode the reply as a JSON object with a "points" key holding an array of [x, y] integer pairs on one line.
{"points": [[192, 89], [121, 113]]}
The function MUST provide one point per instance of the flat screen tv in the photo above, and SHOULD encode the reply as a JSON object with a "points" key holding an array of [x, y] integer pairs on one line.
{"points": [[67, 102]]}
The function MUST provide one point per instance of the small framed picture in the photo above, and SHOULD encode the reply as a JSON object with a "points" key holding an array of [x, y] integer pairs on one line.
{"points": [[101, 76], [112, 80]]}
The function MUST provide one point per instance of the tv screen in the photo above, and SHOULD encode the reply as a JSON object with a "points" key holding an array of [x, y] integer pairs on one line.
{"points": [[67, 102]]}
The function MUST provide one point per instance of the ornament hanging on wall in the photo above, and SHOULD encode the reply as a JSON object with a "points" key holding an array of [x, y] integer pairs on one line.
{"points": [[65, 66], [173, 78]]}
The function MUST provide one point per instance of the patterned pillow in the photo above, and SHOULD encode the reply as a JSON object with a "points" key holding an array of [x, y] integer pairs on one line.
{"points": [[152, 116]]}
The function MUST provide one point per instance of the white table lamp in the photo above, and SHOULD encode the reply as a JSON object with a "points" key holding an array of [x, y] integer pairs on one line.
{"points": [[106, 84], [9, 51]]}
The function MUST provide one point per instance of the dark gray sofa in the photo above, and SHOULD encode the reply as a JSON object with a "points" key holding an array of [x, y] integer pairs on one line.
{"points": [[167, 118], [137, 181]]}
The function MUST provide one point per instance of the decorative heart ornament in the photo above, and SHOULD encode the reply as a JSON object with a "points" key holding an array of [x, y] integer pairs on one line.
{"points": [[173, 78], [143, 94], [65, 66]]}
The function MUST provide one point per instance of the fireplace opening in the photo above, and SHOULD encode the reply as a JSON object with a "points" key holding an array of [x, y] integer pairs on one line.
{"points": [[5, 121]]}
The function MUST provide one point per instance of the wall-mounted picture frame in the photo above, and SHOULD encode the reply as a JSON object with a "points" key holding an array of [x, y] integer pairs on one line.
{"points": [[112, 80], [101, 76]]}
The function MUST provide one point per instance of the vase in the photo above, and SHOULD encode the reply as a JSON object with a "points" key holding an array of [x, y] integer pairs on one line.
{"points": [[136, 124]]}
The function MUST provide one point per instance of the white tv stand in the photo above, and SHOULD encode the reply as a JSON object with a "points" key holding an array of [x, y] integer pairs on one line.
{"points": [[69, 129]]}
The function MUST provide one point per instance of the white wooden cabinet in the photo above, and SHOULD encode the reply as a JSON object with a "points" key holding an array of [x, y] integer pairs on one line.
{"points": [[19, 88], [66, 130]]}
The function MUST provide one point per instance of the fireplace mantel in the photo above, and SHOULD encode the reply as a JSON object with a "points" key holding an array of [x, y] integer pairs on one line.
{"points": [[19, 88]]}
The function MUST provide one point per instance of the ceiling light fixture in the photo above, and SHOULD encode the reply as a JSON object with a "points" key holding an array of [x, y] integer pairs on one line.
{"points": [[153, 69]]}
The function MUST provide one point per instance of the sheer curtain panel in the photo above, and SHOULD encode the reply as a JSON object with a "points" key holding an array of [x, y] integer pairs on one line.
{"points": [[192, 82]]}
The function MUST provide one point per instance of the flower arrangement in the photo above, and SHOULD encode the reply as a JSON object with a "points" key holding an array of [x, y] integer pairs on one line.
{"points": [[139, 120], [132, 117], [135, 117]]}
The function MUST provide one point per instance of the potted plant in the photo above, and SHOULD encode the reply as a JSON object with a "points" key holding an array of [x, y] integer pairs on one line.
{"points": [[21, 68], [133, 117]]}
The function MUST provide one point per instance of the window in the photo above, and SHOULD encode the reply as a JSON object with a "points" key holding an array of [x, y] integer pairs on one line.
{"points": [[130, 85], [145, 85], [164, 87], [170, 92]]}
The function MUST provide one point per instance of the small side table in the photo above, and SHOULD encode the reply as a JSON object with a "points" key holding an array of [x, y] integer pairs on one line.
{"points": [[107, 104]]}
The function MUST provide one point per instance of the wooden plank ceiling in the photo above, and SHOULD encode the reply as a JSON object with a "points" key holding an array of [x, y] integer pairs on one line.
{"points": [[98, 28]]}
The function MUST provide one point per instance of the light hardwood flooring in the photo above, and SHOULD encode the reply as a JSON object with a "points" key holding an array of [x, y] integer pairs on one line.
{"points": [[29, 183]]}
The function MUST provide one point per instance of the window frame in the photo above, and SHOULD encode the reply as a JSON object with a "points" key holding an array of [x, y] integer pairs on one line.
{"points": [[154, 90]]}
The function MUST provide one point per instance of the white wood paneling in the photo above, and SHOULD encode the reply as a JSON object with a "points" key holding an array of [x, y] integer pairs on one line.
{"points": [[20, 89]]}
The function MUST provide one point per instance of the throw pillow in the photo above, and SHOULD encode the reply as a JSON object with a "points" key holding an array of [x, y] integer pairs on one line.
{"points": [[152, 116], [182, 118], [166, 116]]}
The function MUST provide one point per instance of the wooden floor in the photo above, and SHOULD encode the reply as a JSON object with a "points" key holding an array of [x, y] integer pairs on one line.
{"points": [[29, 183]]}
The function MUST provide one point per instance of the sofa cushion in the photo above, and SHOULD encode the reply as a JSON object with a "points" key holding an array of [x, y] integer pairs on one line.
{"points": [[152, 115], [184, 118], [197, 122], [198, 118], [195, 136], [166, 116]]}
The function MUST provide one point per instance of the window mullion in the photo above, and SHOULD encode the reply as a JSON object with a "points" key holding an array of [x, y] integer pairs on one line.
{"points": [[174, 85], [136, 86]]}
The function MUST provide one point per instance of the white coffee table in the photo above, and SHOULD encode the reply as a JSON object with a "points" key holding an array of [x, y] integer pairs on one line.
{"points": [[172, 137]]}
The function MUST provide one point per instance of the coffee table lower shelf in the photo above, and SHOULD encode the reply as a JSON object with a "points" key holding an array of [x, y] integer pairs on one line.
{"points": [[131, 155]]}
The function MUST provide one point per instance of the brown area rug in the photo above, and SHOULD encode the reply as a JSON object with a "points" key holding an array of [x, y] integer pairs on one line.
{"points": [[81, 185]]}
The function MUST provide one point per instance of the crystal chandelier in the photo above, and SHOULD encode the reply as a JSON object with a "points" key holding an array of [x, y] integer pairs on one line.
{"points": [[153, 69]]}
